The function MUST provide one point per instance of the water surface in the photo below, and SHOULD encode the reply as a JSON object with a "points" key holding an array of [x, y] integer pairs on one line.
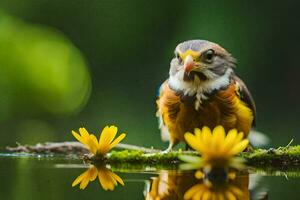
{"points": [[50, 177]]}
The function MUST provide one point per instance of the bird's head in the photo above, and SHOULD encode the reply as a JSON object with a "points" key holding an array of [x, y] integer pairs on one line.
{"points": [[197, 62]]}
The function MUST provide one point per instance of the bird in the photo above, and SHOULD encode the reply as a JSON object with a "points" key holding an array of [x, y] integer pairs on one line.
{"points": [[203, 90]]}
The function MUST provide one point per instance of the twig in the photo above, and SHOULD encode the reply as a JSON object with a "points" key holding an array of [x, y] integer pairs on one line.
{"points": [[69, 148]]}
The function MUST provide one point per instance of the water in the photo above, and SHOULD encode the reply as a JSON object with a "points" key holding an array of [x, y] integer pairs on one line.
{"points": [[35, 177]]}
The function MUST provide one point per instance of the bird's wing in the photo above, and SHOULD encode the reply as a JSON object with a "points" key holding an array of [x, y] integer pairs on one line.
{"points": [[159, 114], [245, 95], [168, 105]]}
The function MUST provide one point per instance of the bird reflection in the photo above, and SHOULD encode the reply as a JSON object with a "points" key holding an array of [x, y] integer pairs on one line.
{"points": [[170, 185], [215, 185], [107, 179]]}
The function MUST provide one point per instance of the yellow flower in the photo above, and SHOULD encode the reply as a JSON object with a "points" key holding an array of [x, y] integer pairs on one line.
{"points": [[208, 192], [107, 178], [106, 140], [235, 188], [215, 147]]}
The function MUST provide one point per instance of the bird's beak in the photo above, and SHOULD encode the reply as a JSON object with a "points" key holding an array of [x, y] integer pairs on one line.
{"points": [[189, 64]]}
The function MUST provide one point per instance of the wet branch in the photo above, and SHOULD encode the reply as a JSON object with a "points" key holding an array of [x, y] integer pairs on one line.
{"points": [[69, 148]]}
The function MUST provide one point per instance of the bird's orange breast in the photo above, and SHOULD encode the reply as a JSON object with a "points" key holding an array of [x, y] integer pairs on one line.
{"points": [[222, 108]]}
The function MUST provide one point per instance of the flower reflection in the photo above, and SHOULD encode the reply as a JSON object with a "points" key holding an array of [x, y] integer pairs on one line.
{"points": [[170, 185], [108, 180], [217, 185]]}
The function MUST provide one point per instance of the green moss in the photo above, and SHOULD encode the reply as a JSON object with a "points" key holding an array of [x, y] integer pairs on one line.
{"points": [[147, 158], [281, 158]]}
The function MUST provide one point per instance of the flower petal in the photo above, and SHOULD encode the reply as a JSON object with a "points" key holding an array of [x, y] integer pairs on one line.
{"points": [[228, 142], [117, 178], [93, 173], [117, 141], [106, 137], [229, 195], [109, 173], [190, 166], [108, 134], [84, 178], [238, 148], [206, 195], [194, 142], [239, 137], [192, 191], [84, 183], [220, 196], [105, 179], [113, 130], [79, 179], [93, 144], [198, 195], [218, 137], [190, 158], [206, 136], [78, 137], [197, 132], [236, 191], [84, 134]]}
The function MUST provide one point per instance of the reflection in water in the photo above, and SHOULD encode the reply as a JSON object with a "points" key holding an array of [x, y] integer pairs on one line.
{"points": [[219, 186], [170, 185], [216, 185], [99, 149], [108, 180]]}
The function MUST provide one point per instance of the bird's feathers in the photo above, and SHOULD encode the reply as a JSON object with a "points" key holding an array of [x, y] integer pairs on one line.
{"points": [[245, 95], [224, 107]]}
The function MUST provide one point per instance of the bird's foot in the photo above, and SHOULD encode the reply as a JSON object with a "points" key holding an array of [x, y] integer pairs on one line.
{"points": [[168, 150]]}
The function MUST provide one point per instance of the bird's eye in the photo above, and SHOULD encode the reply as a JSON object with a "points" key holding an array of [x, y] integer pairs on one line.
{"points": [[208, 56], [178, 57]]}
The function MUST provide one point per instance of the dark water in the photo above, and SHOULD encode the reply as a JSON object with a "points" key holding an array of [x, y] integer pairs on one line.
{"points": [[40, 177]]}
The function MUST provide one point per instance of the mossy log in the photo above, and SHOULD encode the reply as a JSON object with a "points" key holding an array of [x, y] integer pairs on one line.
{"points": [[281, 158]]}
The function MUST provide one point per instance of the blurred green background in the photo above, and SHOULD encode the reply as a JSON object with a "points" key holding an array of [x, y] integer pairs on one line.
{"points": [[72, 63]]}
